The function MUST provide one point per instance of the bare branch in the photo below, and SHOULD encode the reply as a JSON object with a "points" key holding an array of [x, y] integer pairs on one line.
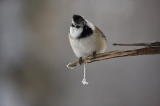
{"points": [[151, 49], [153, 44]]}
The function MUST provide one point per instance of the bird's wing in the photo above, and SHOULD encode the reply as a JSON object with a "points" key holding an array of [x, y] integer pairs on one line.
{"points": [[101, 33]]}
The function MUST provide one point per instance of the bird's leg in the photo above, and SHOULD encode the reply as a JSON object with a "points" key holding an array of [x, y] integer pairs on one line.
{"points": [[94, 54], [80, 60]]}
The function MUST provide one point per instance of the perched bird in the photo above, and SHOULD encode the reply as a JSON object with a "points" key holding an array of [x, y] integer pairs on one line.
{"points": [[85, 38]]}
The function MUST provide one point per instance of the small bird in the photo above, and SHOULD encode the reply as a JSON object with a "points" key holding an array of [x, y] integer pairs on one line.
{"points": [[85, 38]]}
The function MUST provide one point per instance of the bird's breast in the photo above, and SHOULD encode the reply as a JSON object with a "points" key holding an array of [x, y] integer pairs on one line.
{"points": [[85, 46]]}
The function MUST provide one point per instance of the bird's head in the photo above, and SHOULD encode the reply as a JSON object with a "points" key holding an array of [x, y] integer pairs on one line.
{"points": [[78, 21], [81, 27]]}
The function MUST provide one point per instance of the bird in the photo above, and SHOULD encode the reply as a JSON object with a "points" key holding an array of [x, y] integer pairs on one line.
{"points": [[85, 38]]}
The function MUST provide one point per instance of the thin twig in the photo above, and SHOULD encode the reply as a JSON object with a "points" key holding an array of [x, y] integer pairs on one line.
{"points": [[151, 49], [153, 44]]}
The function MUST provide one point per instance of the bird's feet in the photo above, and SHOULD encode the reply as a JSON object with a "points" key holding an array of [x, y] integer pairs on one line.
{"points": [[94, 54], [80, 60]]}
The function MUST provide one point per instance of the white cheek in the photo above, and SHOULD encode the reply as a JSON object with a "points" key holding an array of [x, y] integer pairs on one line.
{"points": [[74, 32]]}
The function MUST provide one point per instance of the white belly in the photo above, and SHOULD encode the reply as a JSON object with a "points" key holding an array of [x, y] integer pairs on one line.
{"points": [[86, 46]]}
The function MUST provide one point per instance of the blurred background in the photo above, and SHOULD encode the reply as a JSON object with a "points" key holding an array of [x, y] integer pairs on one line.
{"points": [[34, 51]]}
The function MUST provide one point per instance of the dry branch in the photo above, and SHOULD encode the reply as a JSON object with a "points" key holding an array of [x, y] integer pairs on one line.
{"points": [[150, 49], [153, 44]]}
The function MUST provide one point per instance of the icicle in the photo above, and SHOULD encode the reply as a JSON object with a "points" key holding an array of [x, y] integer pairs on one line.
{"points": [[84, 82]]}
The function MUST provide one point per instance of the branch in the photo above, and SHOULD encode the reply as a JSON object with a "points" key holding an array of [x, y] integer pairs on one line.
{"points": [[151, 49], [153, 44]]}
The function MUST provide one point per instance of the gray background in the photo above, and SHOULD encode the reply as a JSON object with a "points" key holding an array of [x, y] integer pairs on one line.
{"points": [[34, 50]]}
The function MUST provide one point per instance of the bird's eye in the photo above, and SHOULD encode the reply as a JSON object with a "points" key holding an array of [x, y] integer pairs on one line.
{"points": [[77, 26], [73, 25]]}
